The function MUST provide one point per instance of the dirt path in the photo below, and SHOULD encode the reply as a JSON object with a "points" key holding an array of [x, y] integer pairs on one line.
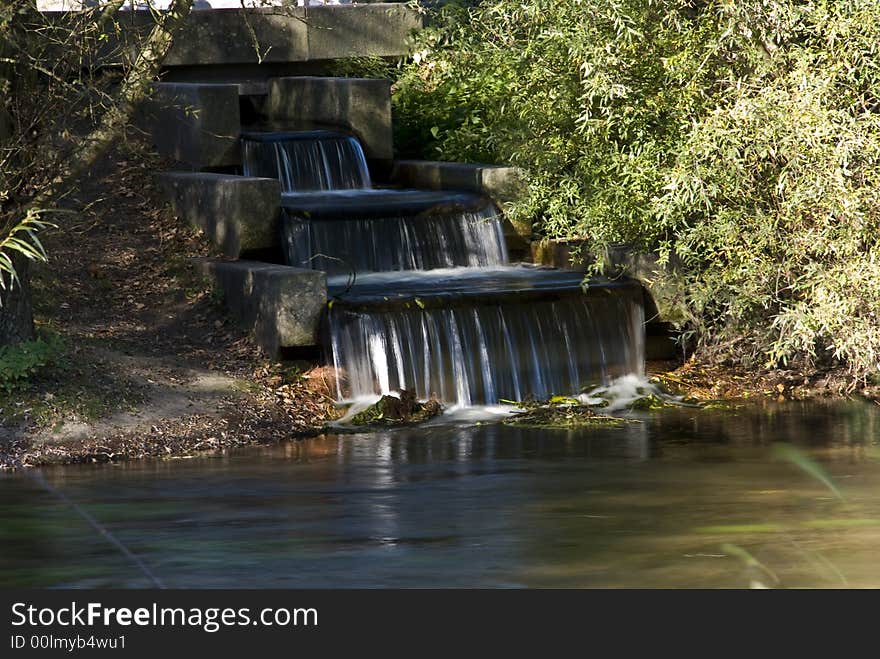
{"points": [[150, 365]]}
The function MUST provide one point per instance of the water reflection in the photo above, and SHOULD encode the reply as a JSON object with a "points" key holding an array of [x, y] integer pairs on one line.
{"points": [[662, 502]]}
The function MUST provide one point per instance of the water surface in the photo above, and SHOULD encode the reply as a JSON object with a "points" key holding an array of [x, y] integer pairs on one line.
{"points": [[678, 500]]}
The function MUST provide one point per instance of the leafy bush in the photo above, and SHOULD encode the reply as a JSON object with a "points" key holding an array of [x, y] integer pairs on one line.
{"points": [[20, 362], [742, 138]]}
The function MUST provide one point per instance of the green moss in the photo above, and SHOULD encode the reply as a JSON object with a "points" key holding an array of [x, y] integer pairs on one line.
{"points": [[562, 413], [394, 411]]}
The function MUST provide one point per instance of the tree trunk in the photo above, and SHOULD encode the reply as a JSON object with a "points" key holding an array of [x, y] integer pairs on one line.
{"points": [[17, 313]]}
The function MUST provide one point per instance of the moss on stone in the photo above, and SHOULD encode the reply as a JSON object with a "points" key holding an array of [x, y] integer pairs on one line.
{"points": [[397, 411]]}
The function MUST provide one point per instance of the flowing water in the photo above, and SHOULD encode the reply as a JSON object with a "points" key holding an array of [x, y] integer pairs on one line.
{"points": [[481, 351], [306, 161], [424, 296], [773, 496], [359, 242], [682, 499]]}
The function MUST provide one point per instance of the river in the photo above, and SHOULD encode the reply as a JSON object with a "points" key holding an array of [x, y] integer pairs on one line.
{"points": [[679, 498]]}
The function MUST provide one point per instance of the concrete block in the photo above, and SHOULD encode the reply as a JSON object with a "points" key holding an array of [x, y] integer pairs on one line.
{"points": [[502, 184], [358, 105], [568, 254], [193, 123], [242, 37], [380, 29], [271, 34], [663, 283], [240, 214], [282, 305]]}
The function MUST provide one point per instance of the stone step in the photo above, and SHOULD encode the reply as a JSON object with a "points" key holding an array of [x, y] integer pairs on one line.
{"points": [[239, 213], [198, 124], [282, 306], [359, 106], [195, 124]]}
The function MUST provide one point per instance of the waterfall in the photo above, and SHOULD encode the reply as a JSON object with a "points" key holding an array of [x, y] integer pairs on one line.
{"points": [[306, 161], [481, 353], [408, 242], [423, 295]]}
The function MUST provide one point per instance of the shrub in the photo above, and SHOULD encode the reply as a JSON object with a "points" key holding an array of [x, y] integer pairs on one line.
{"points": [[740, 137], [19, 363]]}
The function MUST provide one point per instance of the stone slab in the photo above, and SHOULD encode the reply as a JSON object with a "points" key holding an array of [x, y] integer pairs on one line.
{"points": [[280, 304], [240, 214], [500, 183], [195, 123], [238, 37], [274, 34], [347, 204], [664, 286], [360, 106], [378, 30]]}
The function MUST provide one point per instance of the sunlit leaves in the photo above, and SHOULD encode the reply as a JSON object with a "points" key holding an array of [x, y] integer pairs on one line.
{"points": [[741, 139]]}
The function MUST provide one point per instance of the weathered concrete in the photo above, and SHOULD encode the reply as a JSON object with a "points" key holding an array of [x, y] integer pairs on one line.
{"points": [[568, 254], [195, 124], [378, 29], [502, 184], [266, 35], [240, 214], [347, 204], [358, 105], [663, 282], [497, 181], [234, 37], [282, 305]]}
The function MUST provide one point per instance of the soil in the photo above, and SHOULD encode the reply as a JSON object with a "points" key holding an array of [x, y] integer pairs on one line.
{"points": [[704, 380], [152, 366]]}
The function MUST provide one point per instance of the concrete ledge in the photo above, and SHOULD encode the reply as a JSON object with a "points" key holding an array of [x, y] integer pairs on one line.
{"points": [[377, 29], [500, 183], [282, 305], [361, 106], [240, 214], [271, 35], [242, 37], [664, 299], [661, 285], [567, 254], [193, 123]]}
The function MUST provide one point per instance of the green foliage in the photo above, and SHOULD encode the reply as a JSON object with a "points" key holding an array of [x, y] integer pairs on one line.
{"points": [[21, 362], [739, 139]]}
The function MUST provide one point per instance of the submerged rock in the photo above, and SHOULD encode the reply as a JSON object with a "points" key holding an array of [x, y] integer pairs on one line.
{"points": [[565, 414], [397, 410]]}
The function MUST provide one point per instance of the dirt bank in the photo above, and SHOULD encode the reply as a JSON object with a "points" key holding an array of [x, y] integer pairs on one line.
{"points": [[149, 363]]}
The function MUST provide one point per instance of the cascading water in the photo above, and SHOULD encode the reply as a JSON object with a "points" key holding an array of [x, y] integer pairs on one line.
{"points": [[486, 353], [488, 334], [447, 238], [424, 297], [306, 161]]}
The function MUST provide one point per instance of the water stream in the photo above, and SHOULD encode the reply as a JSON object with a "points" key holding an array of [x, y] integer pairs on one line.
{"points": [[427, 300], [424, 296], [667, 502]]}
